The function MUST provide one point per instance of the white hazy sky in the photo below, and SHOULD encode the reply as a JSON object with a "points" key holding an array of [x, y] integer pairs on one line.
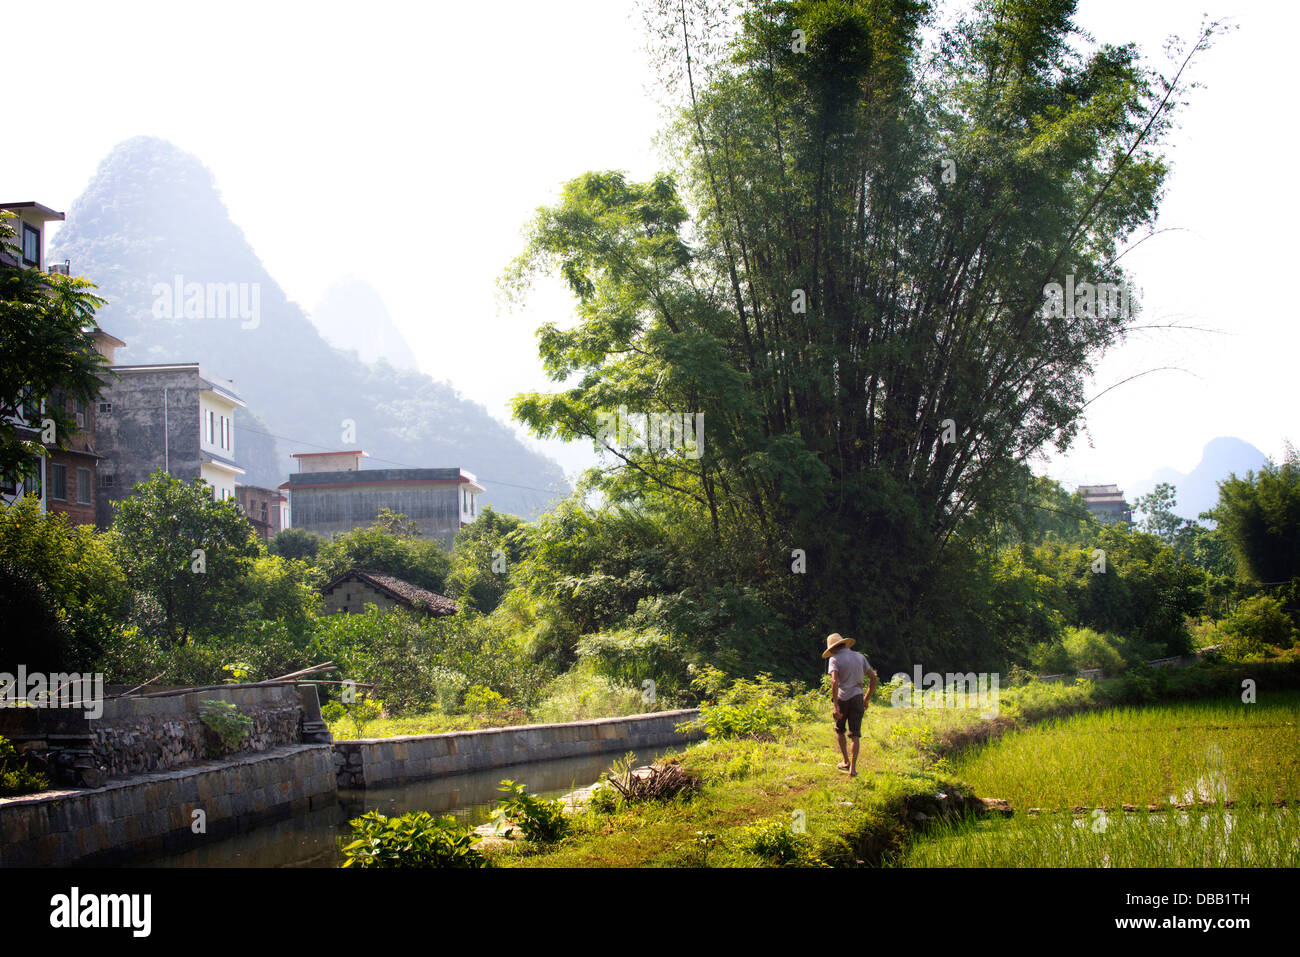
{"points": [[407, 143]]}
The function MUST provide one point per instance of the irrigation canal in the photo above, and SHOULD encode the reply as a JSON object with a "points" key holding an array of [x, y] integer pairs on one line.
{"points": [[311, 839]]}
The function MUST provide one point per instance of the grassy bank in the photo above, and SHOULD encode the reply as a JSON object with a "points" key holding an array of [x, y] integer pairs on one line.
{"points": [[764, 802]]}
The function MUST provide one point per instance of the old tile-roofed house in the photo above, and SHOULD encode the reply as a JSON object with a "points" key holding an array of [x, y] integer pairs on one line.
{"points": [[1107, 503], [353, 590]]}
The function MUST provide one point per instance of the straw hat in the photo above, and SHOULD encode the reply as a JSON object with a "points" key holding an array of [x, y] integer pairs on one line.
{"points": [[833, 643]]}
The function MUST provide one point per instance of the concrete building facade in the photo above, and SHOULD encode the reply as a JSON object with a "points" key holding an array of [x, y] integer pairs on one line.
{"points": [[173, 417], [439, 501], [265, 508]]}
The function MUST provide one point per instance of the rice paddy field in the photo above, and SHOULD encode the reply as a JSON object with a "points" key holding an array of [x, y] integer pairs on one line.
{"points": [[1208, 784]]}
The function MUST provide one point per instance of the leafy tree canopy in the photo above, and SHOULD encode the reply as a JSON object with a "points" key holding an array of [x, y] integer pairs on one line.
{"points": [[47, 345], [186, 554], [1259, 516], [846, 274]]}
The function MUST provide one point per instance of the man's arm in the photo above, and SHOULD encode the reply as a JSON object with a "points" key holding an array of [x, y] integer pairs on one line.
{"points": [[872, 689], [835, 693]]}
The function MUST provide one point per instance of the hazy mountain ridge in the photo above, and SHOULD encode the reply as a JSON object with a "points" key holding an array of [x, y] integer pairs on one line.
{"points": [[1198, 490], [352, 315], [152, 213]]}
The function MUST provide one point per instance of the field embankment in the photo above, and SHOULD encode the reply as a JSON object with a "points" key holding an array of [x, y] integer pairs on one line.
{"points": [[782, 801]]}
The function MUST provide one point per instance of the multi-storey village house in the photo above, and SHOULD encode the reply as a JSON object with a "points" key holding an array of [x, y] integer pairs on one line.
{"points": [[171, 416], [331, 494], [65, 477]]}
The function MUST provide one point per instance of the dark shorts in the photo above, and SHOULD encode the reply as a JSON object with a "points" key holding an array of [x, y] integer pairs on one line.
{"points": [[851, 711]]}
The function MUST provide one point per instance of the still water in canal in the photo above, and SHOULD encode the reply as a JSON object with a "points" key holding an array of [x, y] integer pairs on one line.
{"points": [[311, 839]]}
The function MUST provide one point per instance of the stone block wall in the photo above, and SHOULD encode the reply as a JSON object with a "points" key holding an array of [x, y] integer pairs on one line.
{"points": [[378, 762], [353, 596], [155, 812], [137, 735]]}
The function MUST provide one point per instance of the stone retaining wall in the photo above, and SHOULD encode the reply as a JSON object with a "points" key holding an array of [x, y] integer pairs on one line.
{"points": [[138, 735], [153, 812], [379, 762]]}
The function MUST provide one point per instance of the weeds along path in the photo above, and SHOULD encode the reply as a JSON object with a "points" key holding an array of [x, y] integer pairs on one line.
{"points": [[782, 801]]}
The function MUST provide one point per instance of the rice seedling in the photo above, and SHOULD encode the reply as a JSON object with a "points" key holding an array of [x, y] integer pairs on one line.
{"points": [[1188, 752], [1209, 837]]}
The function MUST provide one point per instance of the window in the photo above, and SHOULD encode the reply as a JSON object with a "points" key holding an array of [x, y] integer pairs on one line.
{"points": [[105, 479], [79, 411], [31, 246], [225, 433], [83, 486], [212, 438], [32, 485], [58, 482], [106, 408]]}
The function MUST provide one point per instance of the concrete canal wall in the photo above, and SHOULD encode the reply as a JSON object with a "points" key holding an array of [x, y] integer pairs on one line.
{"points": [[181, 807], [158, 732], [380, 762], [144, 813]]}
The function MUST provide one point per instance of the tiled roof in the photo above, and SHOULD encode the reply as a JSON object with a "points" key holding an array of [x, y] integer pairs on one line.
{"points": [[410, 595]]}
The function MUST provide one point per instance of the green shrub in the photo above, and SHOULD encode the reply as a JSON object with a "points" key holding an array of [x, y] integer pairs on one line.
{"points": [[227, 721], [449, 687], [630, 657], [1090, 649], [417, 839], [580, 695], [15, 776], [776, 842], [541, 821], [604, 799], [358, 714], [1143, 684], [1051, 658], [1257, 623], [761, 708], [485, 701]]}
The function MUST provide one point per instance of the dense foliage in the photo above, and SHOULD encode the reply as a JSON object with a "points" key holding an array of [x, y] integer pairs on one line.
{"points": [[846, 274], [47, 349], [417, 839]]}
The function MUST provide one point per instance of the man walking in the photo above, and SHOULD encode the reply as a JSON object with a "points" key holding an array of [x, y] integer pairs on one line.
{"points": [[847, 669]]}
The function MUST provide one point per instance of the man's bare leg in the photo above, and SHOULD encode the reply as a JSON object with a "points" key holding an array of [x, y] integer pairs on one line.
{"points": [[844, 750], [853, 762]]}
